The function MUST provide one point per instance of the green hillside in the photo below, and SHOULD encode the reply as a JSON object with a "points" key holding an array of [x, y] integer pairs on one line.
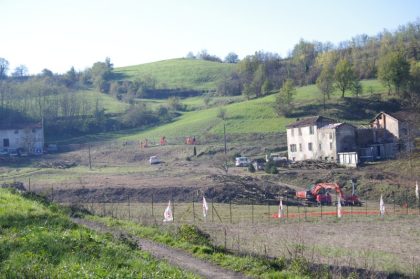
{"points": [[258, 115], [38, 240], [180, 73]]}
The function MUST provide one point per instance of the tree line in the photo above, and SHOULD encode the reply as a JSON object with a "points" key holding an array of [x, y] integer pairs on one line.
{"points": [[59, 101], [392, 57]]}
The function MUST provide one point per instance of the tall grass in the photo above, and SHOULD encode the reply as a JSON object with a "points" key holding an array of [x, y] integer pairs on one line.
{"points": [[37, 240]]}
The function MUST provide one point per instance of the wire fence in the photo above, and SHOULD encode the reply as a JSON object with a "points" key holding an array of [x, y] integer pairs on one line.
{"points": [[150, 209]]}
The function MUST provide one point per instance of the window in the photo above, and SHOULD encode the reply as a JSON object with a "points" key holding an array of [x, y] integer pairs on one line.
{"points": [[311, 130], [320, 147], [293, 148], [300, 131], [300, 147], [16, 131], [5, 142], [310, 146], [331, 146], [330, 135], [293, 132], [33, 130]]}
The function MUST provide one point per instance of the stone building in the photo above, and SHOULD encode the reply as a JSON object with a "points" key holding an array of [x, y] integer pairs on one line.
{"points": [[23, 137], [322, 138]]}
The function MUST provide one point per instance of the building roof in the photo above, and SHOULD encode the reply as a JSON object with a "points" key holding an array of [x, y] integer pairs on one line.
{"points": [[310, 121], [399, 115], [336, 125], [20, 126]]}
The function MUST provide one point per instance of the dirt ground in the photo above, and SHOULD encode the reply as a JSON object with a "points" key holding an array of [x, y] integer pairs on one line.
{"points": [[390, 245]]}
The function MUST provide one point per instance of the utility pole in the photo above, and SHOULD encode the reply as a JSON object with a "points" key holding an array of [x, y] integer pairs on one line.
{"points": [[224, 134]]}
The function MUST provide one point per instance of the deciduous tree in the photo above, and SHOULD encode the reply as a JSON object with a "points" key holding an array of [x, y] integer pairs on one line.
{"points": [[344, 76]]}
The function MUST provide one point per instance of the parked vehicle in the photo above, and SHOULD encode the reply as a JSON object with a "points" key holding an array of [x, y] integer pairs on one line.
{"points": [[154, 160], [278, 158], [242, 162], [259, 164]]}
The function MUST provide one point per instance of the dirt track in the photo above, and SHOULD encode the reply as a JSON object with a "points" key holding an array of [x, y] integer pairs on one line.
{"points": [[173, 256]]}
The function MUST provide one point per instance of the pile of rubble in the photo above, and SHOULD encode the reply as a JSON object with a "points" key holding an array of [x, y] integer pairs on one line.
{"points": [[313, 165], [56, 164]]}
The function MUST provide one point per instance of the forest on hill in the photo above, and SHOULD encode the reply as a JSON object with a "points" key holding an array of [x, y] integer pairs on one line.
{"points": [[59, 100]]}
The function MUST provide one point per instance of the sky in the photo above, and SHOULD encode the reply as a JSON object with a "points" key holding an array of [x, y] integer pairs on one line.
{"points": [[59, 34]]}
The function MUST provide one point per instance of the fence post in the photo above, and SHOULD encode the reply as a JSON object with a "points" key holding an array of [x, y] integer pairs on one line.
{"points": [[230, 210], [406, 203], [52, 193], [366, 208], [90, 159], [298, 212], [193, 210], [212, 209], [252, 211], [129, 209], [305, 208], [153, 214], [287, 207], [268, 211], [29, 184], [321, 211], [225, 238]]}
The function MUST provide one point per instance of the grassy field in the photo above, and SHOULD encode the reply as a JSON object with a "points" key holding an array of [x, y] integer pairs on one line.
{"points": [[180, 73], [38, 240], [109, 103], [253, 116]]}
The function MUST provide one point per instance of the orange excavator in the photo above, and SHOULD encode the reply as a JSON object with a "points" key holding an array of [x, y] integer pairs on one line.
{"points": [[320, 194]]}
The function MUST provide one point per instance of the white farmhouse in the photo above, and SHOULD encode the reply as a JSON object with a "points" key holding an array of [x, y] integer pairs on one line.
{"points": [[322, 138], [25, 137]]}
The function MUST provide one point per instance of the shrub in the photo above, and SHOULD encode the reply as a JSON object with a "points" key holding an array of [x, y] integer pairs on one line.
{"points": [[251, 168], [193, 234]]}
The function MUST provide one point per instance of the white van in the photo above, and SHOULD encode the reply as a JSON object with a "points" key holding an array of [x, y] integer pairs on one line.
{"points": [[242, 162]]}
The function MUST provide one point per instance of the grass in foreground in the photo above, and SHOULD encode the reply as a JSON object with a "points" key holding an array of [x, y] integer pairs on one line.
{"points": [[192, 240], [37, 240]]}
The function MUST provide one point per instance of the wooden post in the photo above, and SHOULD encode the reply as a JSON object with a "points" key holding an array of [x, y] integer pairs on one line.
{"points": [[230, 210], [129, 209], [305, 211], [252, 211], [29, 184], [268, 211], [153, 214], [193, 210], [366, 208], [225, 238], [212, 209], [298, 212], [52, 193], [90, 158], [321, 210]]}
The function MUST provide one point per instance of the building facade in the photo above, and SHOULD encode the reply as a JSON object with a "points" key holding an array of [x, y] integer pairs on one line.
{"points": [[28, 138], [321, 138]]}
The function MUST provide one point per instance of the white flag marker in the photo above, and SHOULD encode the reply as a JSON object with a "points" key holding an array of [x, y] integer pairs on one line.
{"points": [[205, 207], [168, 217], [280, 213], [382, 206], [339, 213], [417, 191]]}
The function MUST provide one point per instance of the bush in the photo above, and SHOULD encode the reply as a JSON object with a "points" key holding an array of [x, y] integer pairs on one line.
{"points": [[193, 235], [251, 168], [270, 167]]}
